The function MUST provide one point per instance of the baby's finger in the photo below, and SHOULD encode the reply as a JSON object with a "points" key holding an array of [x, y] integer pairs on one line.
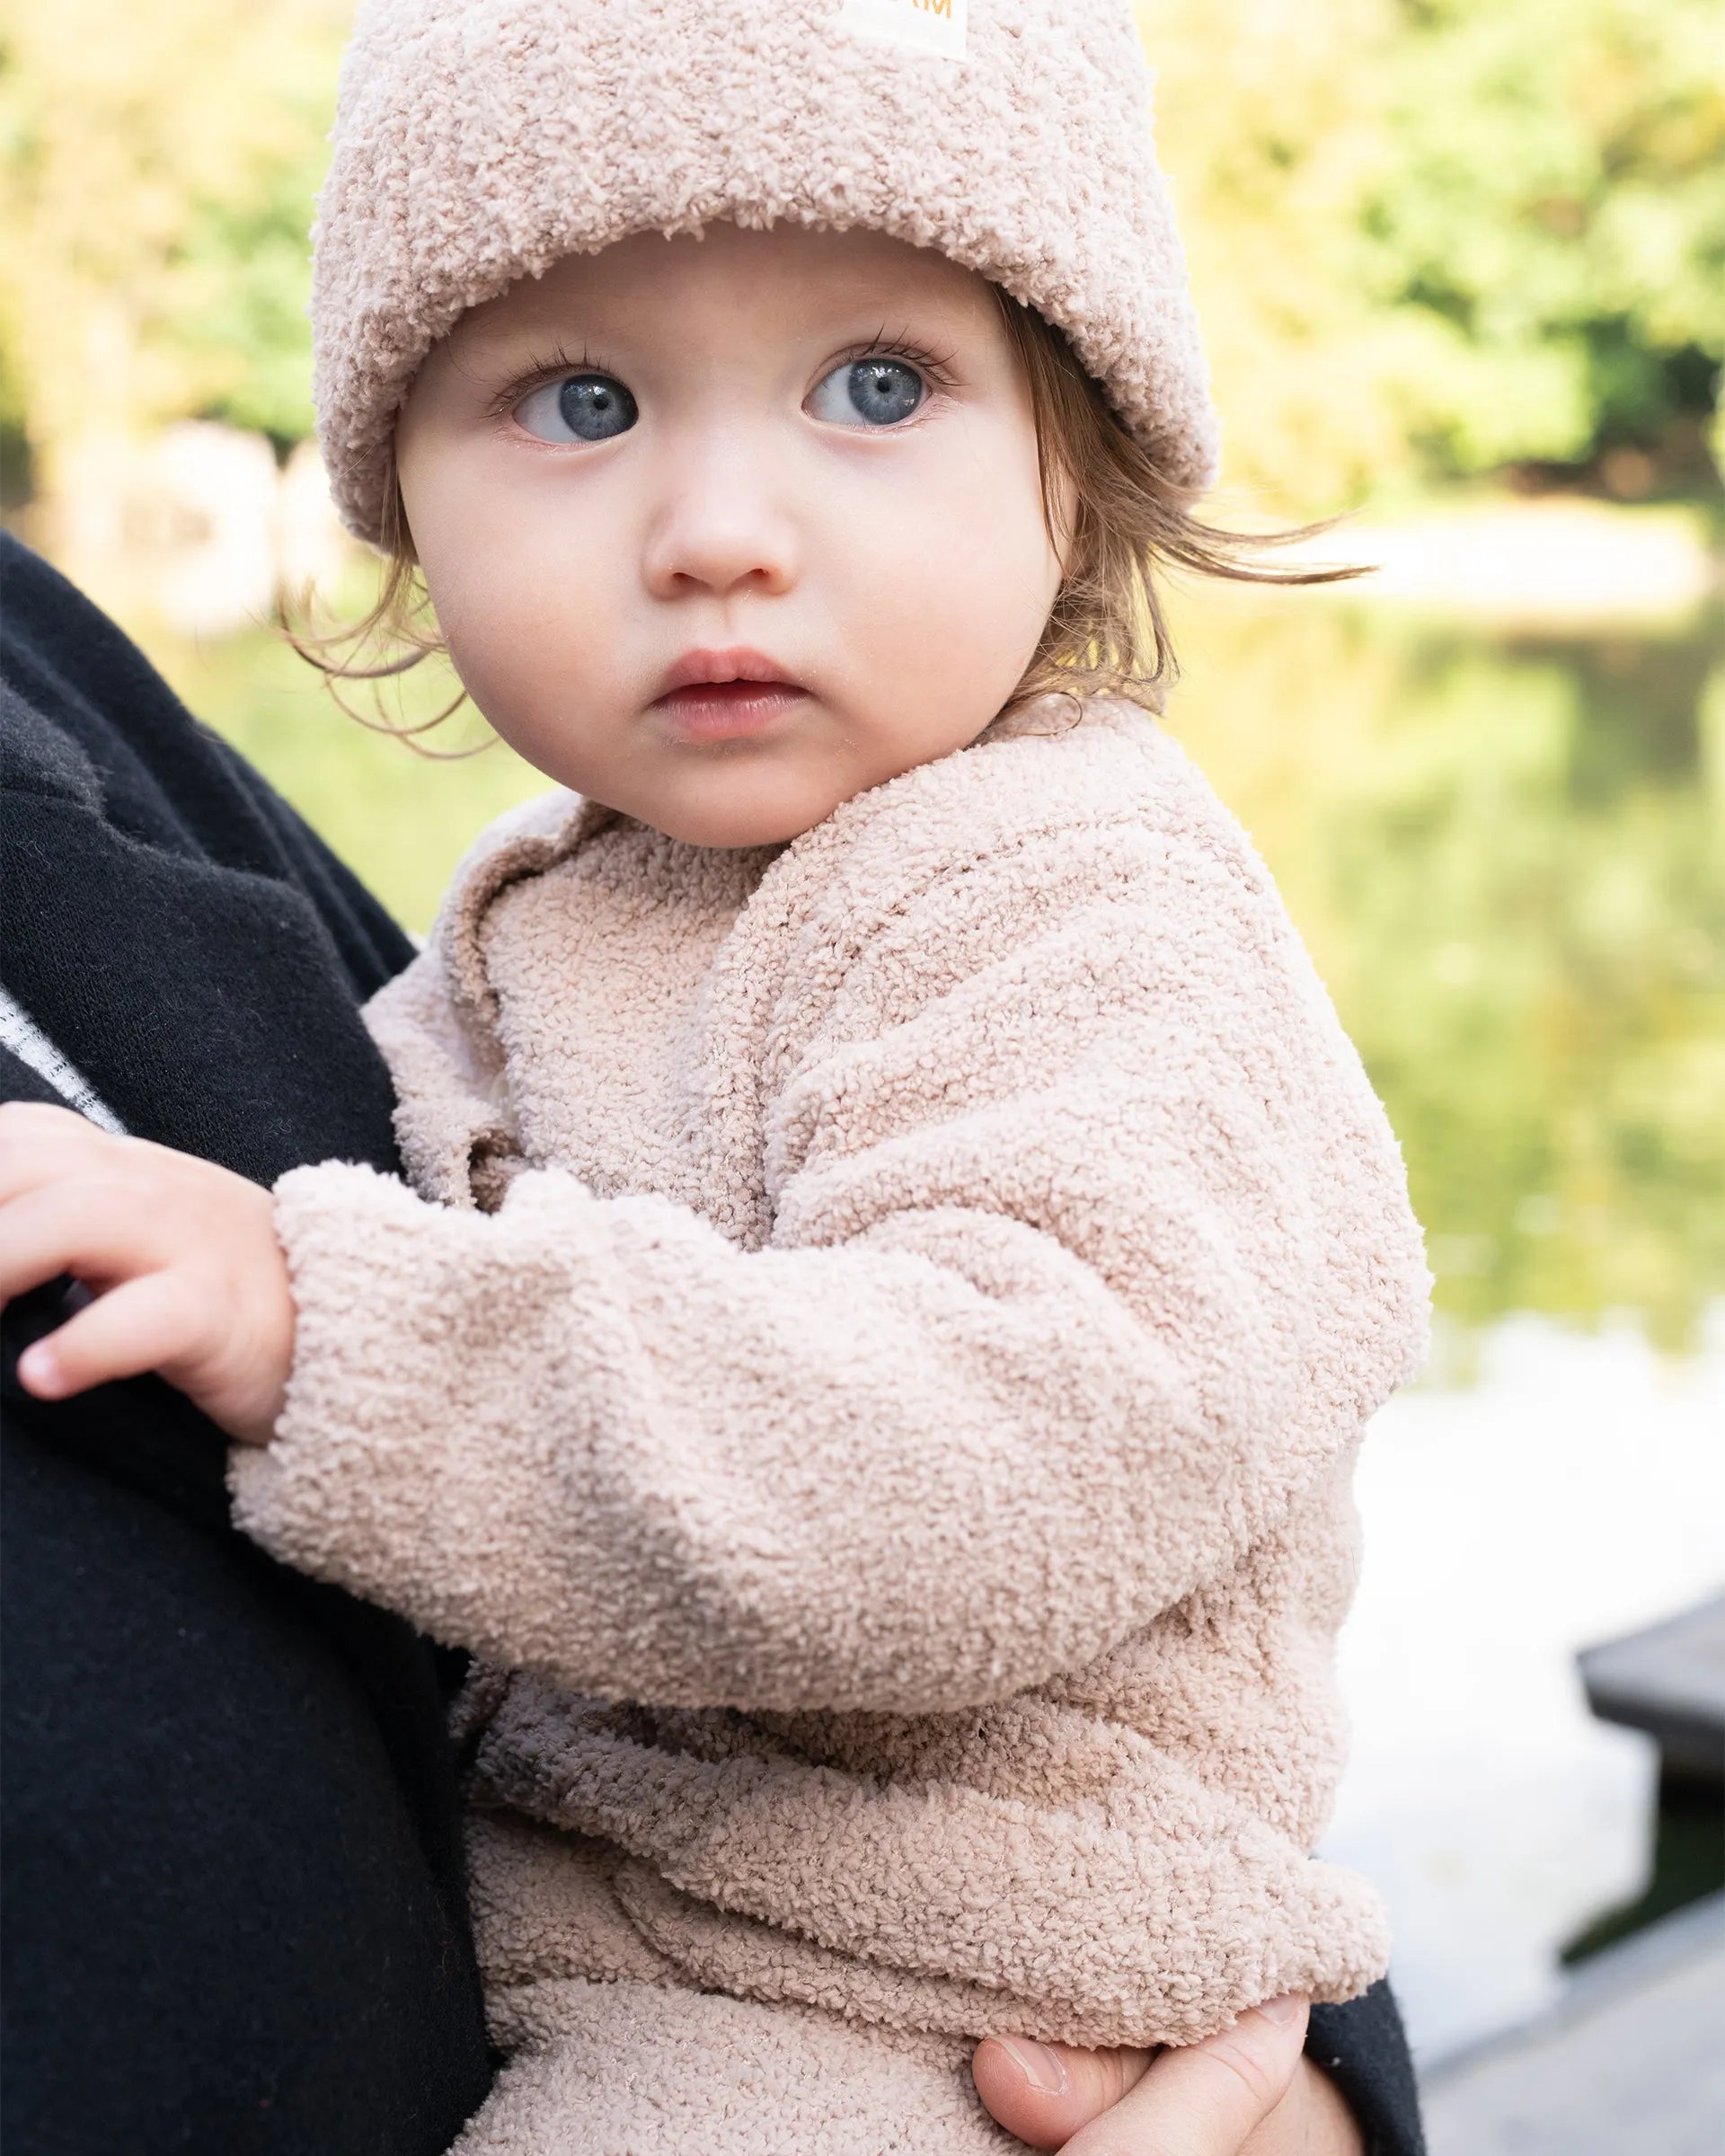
{"points": [[141, 1326], [1206, 2099], [42, 1145], [84, 1225], [1042, 2093]]}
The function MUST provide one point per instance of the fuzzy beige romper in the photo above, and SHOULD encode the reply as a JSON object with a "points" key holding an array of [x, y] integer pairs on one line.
{"points": [[881, 1363]]}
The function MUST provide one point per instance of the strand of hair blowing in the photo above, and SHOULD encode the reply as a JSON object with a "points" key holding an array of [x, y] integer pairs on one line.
{"points": [[1116, 520]]}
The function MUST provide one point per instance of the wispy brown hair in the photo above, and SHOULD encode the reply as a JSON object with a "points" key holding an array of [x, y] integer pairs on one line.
{"points": [[1117, 522]]}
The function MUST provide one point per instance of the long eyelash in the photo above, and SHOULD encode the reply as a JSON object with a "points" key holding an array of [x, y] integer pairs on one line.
{"points": [[936, 366], [543, 367]]}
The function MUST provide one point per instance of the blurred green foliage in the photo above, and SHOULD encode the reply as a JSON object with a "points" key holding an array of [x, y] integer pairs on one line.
{"points": [[156, 171], [1551, 224], [1429, 236], [243, 269], [1508, 854], [1434, 237]]}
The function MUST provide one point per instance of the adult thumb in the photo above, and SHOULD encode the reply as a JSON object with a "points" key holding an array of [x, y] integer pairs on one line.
{"points": [[1204, 2100]]}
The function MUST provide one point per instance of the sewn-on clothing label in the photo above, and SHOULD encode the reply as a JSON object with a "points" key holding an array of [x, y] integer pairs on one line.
{"points": [[936, 27]]}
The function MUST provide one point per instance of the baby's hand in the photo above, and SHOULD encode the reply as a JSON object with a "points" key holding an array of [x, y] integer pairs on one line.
{"points": [[180, 1255]]}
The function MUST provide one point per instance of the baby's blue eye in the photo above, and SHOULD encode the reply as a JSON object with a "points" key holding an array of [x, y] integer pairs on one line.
{"points": [[869, 392], [580, 408]]}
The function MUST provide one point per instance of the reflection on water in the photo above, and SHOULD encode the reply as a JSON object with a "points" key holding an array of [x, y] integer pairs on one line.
{"points": [[1508, 854]]}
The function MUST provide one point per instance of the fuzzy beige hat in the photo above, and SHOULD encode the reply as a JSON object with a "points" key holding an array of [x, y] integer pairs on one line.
{"points": [[479, 141]]}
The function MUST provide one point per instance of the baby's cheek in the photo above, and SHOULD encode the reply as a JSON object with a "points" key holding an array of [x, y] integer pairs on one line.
{"points": [[531, 680]]}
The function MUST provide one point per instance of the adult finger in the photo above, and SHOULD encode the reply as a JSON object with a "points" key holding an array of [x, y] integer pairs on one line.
{"points": [[147, 1324], [1042, 2093], [1204, 2099]]}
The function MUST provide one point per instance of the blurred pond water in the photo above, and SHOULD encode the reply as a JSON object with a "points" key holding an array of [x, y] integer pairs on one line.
{"points": [[1506, 849], [1507, 854]]}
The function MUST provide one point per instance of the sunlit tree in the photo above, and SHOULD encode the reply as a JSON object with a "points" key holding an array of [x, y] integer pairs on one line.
{"points": [[1432, 237], [1551, 229], [1428, 237], [155, 189], [1272, 123]]}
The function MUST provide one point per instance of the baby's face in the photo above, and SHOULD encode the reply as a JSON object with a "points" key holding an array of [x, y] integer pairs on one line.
{"points": [[724, 531]]}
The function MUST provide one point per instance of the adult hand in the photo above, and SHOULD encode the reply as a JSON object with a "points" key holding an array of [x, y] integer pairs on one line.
{"points": [[180, 1255], [1249, 2091]]}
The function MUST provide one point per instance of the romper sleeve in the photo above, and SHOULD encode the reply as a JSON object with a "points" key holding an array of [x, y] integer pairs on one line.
{"points": [[1091, 1247]]}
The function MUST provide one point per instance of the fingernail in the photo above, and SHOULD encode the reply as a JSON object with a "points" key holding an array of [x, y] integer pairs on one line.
{"points": [[39, 1369], [1279, 2011], [1044, 2070]]}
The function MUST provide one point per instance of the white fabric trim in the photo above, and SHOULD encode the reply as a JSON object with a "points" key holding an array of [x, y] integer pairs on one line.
{"points": [[20, 1033]]}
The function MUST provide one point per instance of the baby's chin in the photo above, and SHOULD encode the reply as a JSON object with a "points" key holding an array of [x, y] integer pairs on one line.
{"points": [[736, 809], [732, 800], [747, 792]]}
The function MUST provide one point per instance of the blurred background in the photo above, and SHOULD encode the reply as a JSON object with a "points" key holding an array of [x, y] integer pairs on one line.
{"points": [[1462, 266]]}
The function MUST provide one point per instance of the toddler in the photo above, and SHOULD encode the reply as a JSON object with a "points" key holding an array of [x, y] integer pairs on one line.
{"points": [[900, 1252]]}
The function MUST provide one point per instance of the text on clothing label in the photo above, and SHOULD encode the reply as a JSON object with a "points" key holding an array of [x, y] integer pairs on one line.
{"points": [[936, 27]]}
